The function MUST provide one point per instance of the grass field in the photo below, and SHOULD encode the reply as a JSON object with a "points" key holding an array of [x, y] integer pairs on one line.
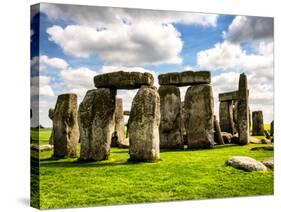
{"points": [[179, 175]]}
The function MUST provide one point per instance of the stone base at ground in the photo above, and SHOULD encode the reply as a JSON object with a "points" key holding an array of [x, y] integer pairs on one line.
{"points": [[246, 163], [269, 163], [143, 125]]}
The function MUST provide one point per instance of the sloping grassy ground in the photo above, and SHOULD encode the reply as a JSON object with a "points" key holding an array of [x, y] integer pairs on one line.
{"points": [[179, 175]]}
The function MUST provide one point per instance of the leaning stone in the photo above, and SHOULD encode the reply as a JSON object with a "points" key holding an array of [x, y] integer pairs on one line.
{"points": [[123, 80], [267, 135], [242, 110], [199, 121], [65, 126], [226, 117], [170, 124], [96, 122], [258, 128], [218, 136], [185, 78], [227, 137], [245, 163], [269, 163], [118, 136], [143, 125]]}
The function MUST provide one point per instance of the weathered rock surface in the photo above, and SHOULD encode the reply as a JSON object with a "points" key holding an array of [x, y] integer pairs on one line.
{"points": [[143, 125], [228, 96], [254, 140], [65, 126], [185, 78], [51, 115], [246, 163], [118, 136], [199, 110], [269, 163], [123, 80], [42, 148], [226, 117], [267, 135], [272, 128], [96, 122], [242, 110], [217, 136], [170, 124], [258, 129], [265, 141], [227, 137]]}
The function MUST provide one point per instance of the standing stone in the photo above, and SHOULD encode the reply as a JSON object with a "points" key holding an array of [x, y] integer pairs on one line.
{"points": [[272, 128], [65, 126], [51, 115], [235, 105], [199, 109], [242, 110], [218, 136], [170, 124], [258, 128], [96, 122], [144, 124], [226, 117], [118, 137], [183, 131]]}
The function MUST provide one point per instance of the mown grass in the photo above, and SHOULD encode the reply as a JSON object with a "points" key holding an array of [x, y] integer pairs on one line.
{"points": [[179, 175]]}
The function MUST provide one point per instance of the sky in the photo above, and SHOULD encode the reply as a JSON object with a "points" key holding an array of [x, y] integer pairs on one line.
{"points": [[71, 44]]}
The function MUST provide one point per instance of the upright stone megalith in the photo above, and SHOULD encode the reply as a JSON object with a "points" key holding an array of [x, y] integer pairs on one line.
{"points": [[272, 128], [217, 136], [226, 117], [258, 128], [65, 126], [242, 110], [96, 122], [170, 124], [143, 125], [118, 137], [51, 116], [199, 121]]}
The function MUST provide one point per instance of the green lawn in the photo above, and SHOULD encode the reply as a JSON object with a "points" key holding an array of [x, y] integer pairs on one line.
{"points": [[179, 175]]}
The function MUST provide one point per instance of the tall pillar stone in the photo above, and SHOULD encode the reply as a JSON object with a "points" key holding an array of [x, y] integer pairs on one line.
{"points": [[217, 136], [199, 122], [118, 137], [242, 110], [272, 128], [144, 124], [51, 115], [183, 130], [65, 126], [170, 124], [226, 117], [96, 123], [258, 128]]}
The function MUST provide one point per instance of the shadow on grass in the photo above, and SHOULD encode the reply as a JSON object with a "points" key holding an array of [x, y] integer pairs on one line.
{"points": [[79, 163]]}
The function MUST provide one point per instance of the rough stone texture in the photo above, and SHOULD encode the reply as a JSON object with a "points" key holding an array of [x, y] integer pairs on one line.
{"points": [[65, 126], [245, 163], [123, 80], [199, 110], [258, 129], [42, 148], [254, 140], [235, 105], [242, 110], [183, 130], [217, 136], [96, 123], [269, 163], [228, 96], [118, 136], [272, 128], [170, 124], [143, 125], [265, 141], [235, 139], [227, 137], [226, 117], [51, 115], [185, 78]]}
